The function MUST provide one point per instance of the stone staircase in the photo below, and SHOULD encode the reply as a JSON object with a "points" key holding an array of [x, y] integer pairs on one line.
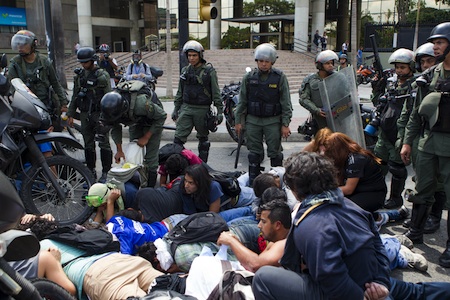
{"points": [[230, 65]]}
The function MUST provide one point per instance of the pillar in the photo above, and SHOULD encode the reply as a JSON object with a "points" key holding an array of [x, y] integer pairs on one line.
{"points": [[85, 23], [135, 37], [216, 28], [301, 25]]}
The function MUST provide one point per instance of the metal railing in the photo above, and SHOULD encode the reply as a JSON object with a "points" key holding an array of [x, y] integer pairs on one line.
{"points": [[305, 47]]}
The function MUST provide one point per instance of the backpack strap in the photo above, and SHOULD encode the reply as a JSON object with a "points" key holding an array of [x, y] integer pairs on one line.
{"points": [[307, 212]]}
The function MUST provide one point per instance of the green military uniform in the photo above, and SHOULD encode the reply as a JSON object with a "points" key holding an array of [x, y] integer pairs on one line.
{"points": [[265, 103], [197, 89], [89, 88], [143, 117], [397, 97], [310, 98], [433, 156], [40, 77]]}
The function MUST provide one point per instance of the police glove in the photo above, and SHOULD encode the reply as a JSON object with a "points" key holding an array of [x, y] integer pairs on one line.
{"points": [[219, 119], [175, 114], [378, 86]]}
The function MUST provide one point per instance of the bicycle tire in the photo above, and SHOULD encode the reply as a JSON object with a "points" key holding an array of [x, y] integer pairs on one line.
{"points": [[50, 290]]}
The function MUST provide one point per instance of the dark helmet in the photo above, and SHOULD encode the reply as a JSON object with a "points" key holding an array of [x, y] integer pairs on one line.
{"points": [[85, 54], [194, 46], [136, 57], [441, 31], [24, 37], [343, 55], [112, 107], [104, 48]]}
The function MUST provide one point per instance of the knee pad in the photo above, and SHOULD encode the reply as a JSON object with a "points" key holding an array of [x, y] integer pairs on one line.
{"points": [[398, 170], [203, 145], [277, 161]]}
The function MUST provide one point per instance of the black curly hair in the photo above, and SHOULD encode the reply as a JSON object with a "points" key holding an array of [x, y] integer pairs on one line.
{"points": [[148, 251], [175, 165], [40, 227]]}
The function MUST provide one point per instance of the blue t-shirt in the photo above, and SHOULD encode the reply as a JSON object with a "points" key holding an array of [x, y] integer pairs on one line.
{"points": [[190, 207], [132, 234]]}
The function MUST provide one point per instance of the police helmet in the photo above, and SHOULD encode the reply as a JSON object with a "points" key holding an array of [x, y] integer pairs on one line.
{"points": [[112, 107], [441, 31], [424, 50], [193, 46], [404, 56], [267, 52], [343, 55], [21, 38], [85, 54], [324, 56], [104, 48]]}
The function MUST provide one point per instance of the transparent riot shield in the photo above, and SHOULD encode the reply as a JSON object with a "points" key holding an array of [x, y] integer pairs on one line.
{"points": [[340, 101]]}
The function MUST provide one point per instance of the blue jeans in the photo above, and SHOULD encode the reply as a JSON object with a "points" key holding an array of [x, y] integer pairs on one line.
{"points": [[234, 213], [423, 290]]}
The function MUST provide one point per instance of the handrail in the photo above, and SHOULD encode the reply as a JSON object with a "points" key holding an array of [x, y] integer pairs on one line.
{"points": [[304, 47]]}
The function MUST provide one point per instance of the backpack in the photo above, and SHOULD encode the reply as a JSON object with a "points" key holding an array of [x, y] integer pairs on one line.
{"points": [[228, 182], [234, 285], [131, 89], [93, 241], [198, 227], [167, 150]]}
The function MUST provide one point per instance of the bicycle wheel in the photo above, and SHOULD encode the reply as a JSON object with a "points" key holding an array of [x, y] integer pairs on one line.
{"points": [[40, 197], [65, 149], [50, 290]]}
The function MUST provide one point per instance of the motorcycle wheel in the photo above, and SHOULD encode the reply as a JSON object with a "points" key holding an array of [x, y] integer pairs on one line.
{"points": [[50, 290], [40, 197], [65, 149], [359, 79]]}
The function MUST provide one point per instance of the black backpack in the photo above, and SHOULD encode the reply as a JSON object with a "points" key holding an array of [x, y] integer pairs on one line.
{"points": [[93, 241], [228, 182], [167, 150], [198, 227]]}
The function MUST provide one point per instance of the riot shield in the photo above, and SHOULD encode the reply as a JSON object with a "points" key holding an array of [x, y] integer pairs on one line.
{"points": [[340, 101]]}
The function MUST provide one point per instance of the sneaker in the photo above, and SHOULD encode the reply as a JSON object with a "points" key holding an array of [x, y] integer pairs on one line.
{"points": [[415, 260], [407, 194], [405, 241], [103, 177], [384, 219]]}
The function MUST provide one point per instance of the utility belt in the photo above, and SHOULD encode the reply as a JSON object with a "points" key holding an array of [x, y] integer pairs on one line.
{"points": [[264, 110]]}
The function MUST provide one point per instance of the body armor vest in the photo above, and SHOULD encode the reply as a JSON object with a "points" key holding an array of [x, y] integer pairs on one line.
{"points": [[443, 121], [264, 96], [197, 85], [104, 64], [89, 96]]}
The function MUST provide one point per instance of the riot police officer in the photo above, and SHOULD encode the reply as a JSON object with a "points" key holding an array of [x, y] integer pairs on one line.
{"points": [[107, 62], [197, 90], [390, 107], [431, 116], [309, 91], [343, 62], [37, 72], [265, 105], [144, 115], [90, 84]]}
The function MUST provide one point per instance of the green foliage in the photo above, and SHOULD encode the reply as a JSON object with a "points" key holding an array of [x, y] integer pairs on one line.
{"points": [[365, 19], [385, 36], [428, 15], [236, 37], [268, 7]]}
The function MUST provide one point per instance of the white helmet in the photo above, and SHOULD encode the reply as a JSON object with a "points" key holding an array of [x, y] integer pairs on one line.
{"points": [[324, 56], [193, 46], [267, 52], [424, 50], [404, 56]]}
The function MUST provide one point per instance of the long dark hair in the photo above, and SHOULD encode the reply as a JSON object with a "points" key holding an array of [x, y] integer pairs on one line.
{"points": [[203, 181]]}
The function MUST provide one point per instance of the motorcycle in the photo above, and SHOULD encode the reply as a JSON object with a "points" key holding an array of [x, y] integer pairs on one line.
{"points": [[56, 184], [230, 99], [18, 245], [369, 116], [364, 74]]}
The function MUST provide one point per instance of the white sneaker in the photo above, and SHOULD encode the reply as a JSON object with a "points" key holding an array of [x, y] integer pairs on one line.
{"points": [[384, 220], [415, 260], [404, 240]]}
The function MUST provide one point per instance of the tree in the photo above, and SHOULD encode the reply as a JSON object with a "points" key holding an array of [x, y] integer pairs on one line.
{"points": [[268, 7], [428, 15], [235, 36]]}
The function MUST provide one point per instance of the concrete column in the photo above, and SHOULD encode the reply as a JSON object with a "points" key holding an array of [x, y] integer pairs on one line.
{"points": [[216, 28], [134, 30], [301, 25], [85, 23], [318, 17]]}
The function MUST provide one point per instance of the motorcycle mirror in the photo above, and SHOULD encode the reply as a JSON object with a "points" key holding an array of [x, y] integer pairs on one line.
{"points": [[3, 61], [248, 69]]}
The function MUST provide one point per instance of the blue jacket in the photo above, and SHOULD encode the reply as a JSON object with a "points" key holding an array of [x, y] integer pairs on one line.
{"points": [[339, 244]]}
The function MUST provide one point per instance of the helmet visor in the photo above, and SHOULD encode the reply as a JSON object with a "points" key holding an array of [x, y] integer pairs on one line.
{"points": [[18, 41]]}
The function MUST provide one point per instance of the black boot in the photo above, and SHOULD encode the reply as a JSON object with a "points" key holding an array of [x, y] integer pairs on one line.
{"points": [[203, 149], [444, 259], [106, 158], [254, 167], [151, 178], [434, 220], [277, 161], [397, 186], [419, 216], [91, 159]]}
